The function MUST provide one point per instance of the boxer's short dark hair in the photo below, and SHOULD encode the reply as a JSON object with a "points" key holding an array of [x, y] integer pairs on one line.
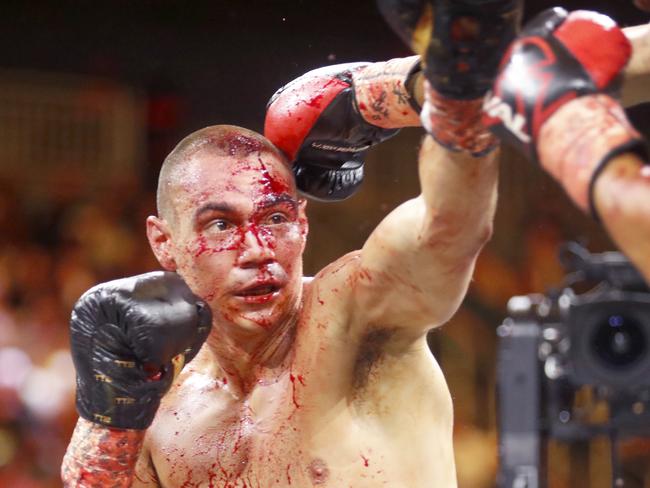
{"points": [[226, 140]]}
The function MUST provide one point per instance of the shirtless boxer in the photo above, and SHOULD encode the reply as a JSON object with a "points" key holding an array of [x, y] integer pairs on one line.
{"points": [[328, 382], [300, 383], [556, 98]]}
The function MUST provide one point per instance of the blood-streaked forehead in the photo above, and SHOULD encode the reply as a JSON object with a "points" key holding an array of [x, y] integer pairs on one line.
{"points": [[252, 179]]}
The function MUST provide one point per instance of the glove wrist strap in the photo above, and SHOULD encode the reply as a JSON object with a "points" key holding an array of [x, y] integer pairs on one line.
{"points": [[384, 92], [456, 124], [579, 139]]}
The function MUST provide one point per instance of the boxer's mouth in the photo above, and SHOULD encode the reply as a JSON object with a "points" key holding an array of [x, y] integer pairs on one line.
{"points": [[258, 290], [259, 293]]}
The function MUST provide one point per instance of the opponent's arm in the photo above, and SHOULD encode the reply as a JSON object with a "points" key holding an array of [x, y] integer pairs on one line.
{"points": [[622, 200], [573, 124], [326, 120], [622, 192], [129, 338], [416, 265]]}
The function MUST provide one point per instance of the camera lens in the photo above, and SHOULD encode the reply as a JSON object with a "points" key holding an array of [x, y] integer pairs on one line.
{"points": [[619, 341]]}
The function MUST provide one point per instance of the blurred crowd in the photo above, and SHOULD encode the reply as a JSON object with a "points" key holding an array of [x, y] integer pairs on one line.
{"points": [[55, 245]]}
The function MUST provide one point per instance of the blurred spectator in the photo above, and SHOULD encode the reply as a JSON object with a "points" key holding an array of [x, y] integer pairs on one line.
{"points": [[55, 245]]}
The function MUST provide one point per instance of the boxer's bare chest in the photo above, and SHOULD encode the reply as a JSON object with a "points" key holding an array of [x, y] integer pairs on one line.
{"points": [[212, 439], [299, 431], [331, 418], [284, 434]]}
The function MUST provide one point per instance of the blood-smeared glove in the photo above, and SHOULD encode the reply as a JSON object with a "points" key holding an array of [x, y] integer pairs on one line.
{"points": [[555, 98], [326, 120], [129, 339], [461, 43]]}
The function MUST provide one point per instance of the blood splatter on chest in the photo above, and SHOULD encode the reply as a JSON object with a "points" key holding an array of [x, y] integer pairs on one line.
{"points": [[222, 454], [229, 444]]}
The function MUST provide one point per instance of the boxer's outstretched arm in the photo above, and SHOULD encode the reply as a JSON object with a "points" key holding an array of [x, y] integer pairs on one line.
{"points": [[417, 264], [636, 85], [622, 191]]}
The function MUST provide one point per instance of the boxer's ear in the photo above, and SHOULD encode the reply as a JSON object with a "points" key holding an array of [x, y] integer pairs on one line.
{"points": [[160, 241]]}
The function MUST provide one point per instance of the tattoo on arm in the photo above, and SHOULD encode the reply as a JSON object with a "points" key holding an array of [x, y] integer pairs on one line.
{"points": [[99, 456], [384, 93]]}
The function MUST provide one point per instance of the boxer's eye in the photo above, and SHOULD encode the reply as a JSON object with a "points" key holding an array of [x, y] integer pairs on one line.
{"points": [[219, 225], [277, 218]]}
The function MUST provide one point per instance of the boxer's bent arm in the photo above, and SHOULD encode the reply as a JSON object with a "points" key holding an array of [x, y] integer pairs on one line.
{"points": [[636, 86], [417, 264], [622, 200], [99, 456], [145, 472]]}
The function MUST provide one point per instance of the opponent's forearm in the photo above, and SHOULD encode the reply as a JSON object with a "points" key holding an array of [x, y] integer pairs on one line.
{"points": [[389, 93], [622, 199], [101, 457], [636, 82]]}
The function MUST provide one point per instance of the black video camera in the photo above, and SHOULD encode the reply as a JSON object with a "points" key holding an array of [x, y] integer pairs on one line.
{"points": [[590, 339]]}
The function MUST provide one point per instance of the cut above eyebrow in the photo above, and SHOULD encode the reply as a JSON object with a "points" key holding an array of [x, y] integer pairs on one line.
{"points": [[272, 200], [226, 208]]}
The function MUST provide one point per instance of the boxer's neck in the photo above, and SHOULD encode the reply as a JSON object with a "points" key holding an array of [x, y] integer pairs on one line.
{"points": [[248, 359]]}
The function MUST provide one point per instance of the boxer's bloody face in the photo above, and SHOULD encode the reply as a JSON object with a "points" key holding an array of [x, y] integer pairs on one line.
{"points": [[238, 236]]}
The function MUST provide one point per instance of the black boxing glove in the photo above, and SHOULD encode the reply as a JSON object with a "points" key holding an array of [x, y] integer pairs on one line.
{"points": [[326, 120], [461, 43], [129, 338], [555, 98]]}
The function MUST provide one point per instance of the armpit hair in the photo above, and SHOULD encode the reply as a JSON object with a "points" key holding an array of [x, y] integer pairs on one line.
{"points": [[371, 351]]}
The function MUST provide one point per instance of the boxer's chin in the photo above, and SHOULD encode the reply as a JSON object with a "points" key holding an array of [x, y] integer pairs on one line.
{"points": [[643, 4], [255, 320]]}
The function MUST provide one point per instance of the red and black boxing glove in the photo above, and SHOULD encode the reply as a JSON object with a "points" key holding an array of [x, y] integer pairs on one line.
{"points": [[321, 122], [555, 98]]}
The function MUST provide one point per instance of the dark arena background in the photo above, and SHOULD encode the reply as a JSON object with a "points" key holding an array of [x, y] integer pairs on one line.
{"points": [[92, 97]]}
